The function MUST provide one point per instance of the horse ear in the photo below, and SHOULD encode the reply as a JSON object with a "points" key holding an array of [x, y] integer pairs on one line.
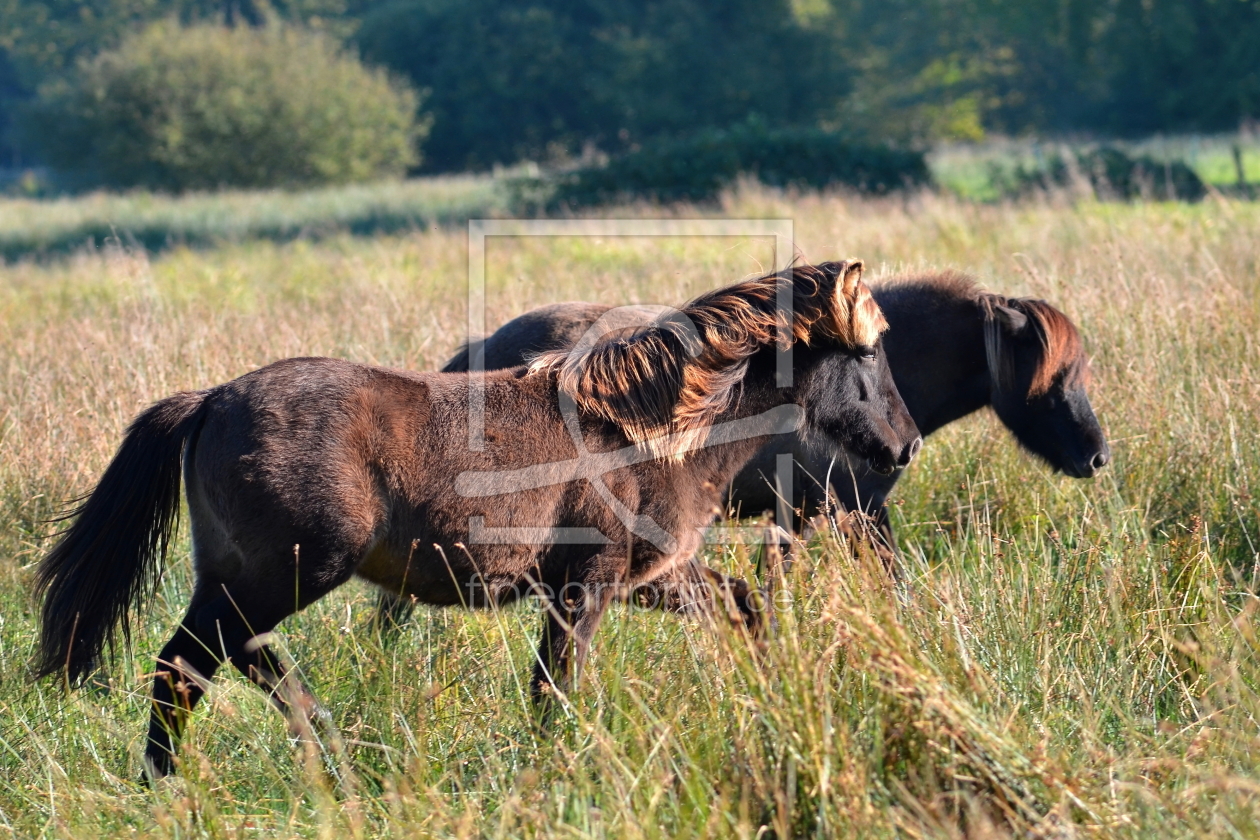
{"points": [[859, 320], [850, 277], [1011, 318]]}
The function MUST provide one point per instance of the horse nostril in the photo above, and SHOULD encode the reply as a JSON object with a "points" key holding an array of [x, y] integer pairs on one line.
{"points": [[1099, 460], [912, 449]]}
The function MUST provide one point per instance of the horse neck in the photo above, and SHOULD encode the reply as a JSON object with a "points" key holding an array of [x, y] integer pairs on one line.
{"points": [[935, 346], [719, 463]]}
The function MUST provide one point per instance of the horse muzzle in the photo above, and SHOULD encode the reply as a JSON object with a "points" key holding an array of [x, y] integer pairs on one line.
{"points": [[909, 451], [887, 463], [1091, 466]]}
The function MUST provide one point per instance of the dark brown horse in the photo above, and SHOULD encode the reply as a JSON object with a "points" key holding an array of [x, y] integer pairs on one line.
{"points": [[594, 471], [953, 348]]}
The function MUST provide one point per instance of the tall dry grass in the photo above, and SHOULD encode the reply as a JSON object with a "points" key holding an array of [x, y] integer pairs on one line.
{"points": [[1073, 659]]}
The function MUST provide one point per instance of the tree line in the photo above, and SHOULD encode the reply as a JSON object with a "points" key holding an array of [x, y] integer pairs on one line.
{"points": [[505, 80]]}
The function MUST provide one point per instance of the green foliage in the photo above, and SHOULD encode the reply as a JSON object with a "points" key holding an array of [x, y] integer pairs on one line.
{"points": [[1112, 174], [527, 79], [938, 68], [202, 107], [48, 36], [505, 80], [44, 39], [543, 78], [696, 168]]}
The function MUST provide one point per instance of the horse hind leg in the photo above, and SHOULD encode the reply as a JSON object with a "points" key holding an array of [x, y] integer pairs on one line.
{"points": [[184, 669], [243, 623], [231, 626], [189, 660], [230, 623], [392, 612], [217, 629]]}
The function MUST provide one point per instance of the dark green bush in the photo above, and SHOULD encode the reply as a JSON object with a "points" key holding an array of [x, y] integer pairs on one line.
{"points": [[1114, 174], [696, 168], [200, 107]]}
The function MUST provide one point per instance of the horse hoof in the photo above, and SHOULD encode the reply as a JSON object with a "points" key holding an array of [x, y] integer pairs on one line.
{"points": [[155, 768]]}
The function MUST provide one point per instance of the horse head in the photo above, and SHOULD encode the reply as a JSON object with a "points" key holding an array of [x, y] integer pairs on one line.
{"points": [[1039, 374], [848, 391]]}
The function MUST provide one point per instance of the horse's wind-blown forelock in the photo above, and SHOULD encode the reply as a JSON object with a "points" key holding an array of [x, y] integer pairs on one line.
{"points": [[1063, 352], [664, 383]]}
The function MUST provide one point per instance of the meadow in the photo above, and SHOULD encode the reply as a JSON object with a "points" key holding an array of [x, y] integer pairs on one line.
{"points": [[1070, 659], [977, 171], [46, 227], [38, 222]]}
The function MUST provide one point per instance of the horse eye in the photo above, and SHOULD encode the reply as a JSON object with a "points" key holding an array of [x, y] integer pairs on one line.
{"points": [[866, 352]]}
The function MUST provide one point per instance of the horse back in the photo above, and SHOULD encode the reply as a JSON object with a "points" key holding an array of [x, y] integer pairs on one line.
{"points": [[325, 468]]}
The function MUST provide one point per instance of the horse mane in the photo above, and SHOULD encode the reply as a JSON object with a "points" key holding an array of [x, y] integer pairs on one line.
{"points": [[948, 283], [1062, 351], [462, 360], [664, 384]]}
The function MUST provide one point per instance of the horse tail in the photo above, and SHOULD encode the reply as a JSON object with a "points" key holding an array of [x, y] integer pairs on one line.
{"points": [[110, 557]]}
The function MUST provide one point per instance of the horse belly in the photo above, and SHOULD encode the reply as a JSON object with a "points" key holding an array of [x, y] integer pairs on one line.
{"points": [[449, 577]]}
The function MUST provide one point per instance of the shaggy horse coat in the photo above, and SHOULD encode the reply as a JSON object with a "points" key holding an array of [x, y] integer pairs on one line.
{"points": [[595, 471]]}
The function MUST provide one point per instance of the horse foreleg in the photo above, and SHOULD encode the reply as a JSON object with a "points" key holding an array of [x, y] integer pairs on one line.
{"points": [[695, 589], [569, 621]]}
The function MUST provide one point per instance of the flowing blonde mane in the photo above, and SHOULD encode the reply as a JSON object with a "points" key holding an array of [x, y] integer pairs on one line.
{"points": [[665, 383]]}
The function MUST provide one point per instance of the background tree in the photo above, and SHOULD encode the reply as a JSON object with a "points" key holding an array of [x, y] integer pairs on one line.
{"points": [[540, 79], [178, 108], [44, 39], [932, 68], [512, 80]]}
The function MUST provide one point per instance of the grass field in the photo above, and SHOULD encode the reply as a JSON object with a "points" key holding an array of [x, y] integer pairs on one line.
{"points": [[52, 228], [55, 227], [976, 170], [1074, 658]]}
